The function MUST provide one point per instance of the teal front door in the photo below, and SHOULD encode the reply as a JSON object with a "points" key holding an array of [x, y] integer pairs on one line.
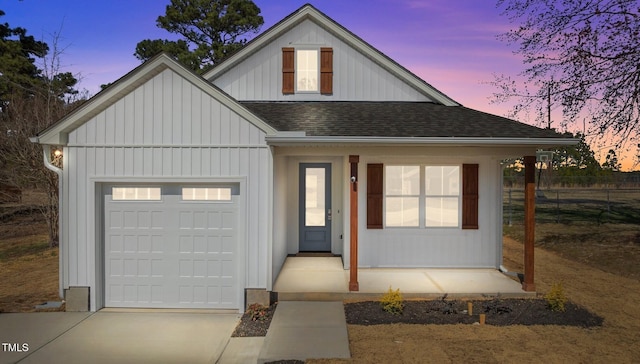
{"points": [[315, 207]]}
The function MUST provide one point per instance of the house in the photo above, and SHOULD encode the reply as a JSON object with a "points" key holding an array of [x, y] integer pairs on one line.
{"points": [[181, 191]]}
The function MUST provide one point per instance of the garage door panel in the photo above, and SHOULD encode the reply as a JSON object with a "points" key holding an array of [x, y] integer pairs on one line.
{"points": [[228, 220], [228, 244], [144, 244], [227, 294], [193, 294], [130, 219], [115, 243], [130, 244], [214, 244], [135, 295], [200, 244], [214, 222], [114, 219], [197, 291], [171, 253], [186, 244]]}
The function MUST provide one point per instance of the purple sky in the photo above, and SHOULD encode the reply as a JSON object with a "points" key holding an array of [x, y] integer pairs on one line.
{"points": [[450, 44]]}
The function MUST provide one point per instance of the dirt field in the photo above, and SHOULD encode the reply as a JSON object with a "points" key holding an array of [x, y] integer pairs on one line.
{"points": [[28, 267], [613, 297]]}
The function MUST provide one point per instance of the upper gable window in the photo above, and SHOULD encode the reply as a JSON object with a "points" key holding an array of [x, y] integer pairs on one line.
{"points": [[307, 70]]}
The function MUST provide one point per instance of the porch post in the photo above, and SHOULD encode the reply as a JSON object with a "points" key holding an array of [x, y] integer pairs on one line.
{"points": [[529, 222], [353, 225]]}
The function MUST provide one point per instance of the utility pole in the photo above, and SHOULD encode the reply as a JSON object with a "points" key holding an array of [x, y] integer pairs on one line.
{"points": [[549, 105]]}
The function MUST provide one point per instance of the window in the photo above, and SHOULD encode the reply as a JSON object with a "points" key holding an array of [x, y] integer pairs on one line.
{"points": [[307, 70], [206, 194], [136, 194], [402, 190], [442, 195], [422, 196]]}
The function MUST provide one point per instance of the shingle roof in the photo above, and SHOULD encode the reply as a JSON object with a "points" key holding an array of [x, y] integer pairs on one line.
{"points": [[390, 119]]}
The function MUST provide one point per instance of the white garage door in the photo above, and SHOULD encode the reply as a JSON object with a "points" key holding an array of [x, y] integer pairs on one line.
{"points": [[171, 246]]}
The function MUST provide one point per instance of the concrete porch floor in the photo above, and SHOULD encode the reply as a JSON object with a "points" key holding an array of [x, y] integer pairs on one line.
{"points": [[324, 278]]}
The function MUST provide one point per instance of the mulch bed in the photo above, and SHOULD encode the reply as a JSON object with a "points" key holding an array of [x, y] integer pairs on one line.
{"points": [[249, 327], [499, 312]]}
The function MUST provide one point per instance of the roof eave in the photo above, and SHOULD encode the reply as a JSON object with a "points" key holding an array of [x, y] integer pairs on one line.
{"points": [[297, 140]]}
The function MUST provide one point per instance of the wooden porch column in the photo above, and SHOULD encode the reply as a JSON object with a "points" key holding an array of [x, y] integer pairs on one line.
{"points": [[353, 224], [529, 222]]}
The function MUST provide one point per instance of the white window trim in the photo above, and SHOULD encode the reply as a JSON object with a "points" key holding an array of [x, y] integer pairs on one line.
{"points": [[422, 197]]}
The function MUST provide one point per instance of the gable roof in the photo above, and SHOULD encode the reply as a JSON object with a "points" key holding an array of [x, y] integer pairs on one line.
{"points": [[423, 122], [309, 12], [57, 133]]}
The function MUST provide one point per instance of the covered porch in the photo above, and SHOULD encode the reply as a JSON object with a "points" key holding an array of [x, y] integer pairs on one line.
{"points": [[348, 189], [324, 278]]}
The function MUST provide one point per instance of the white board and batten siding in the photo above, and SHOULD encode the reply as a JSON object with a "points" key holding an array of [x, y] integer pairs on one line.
{"points": [[436, 247], [355, 76], [165, 130]]}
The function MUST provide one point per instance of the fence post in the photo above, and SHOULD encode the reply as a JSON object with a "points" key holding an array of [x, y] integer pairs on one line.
{"points": [[557, 206], [608, 206], [510, 209]]}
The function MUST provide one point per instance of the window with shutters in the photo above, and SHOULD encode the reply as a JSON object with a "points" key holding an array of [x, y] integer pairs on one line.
{"points": [[307, 70], [422, 196]]}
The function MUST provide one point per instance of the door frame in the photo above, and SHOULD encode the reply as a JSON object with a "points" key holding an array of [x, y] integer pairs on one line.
{"points": [[327, 244]]}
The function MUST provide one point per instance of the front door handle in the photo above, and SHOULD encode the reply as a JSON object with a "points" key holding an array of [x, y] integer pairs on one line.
{"points": [[329, 214]]}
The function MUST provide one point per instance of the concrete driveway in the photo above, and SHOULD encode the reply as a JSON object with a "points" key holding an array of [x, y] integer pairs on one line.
{"points": [[108, 337]]}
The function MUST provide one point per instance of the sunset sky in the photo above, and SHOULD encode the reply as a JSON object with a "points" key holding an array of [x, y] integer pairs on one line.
{"points": [[450, 44]]}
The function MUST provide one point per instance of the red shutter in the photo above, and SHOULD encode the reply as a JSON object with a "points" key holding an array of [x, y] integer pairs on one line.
{"points": [[470, 196], [326, 71], [374, 196], [288, 70]]}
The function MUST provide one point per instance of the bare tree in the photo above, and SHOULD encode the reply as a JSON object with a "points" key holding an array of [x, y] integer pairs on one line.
{"points": [[580, 55], [27, 111]]}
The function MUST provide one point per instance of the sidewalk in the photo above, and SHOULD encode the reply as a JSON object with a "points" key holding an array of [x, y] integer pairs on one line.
{"points": [[304, 330]]}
